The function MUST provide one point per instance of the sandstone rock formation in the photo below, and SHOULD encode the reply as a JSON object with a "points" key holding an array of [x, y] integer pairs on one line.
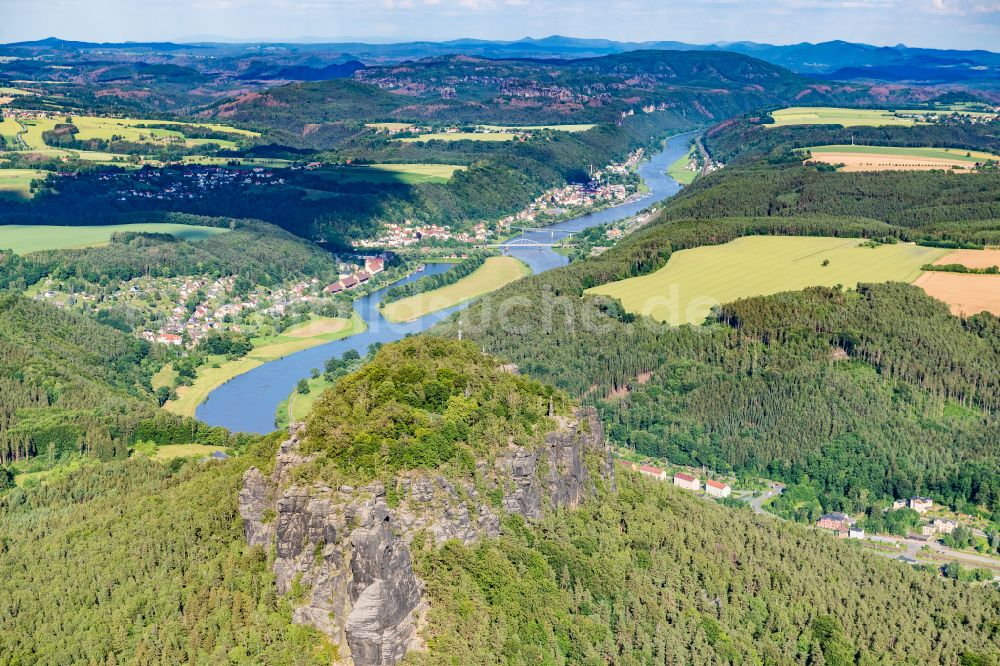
{"points": [[344, 554]]}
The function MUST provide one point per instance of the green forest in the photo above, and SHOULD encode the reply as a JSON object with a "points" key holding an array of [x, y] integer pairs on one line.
{"points": [[641, 573]]}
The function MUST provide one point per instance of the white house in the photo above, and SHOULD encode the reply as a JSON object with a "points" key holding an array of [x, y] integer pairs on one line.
{"points": [[717, 488]]}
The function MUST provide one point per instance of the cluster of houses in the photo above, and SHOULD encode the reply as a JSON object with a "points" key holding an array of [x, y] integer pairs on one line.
{"points": [[396, 235], [187, 184], [842, 525], [373, 266], [919, 504], [688, 482], [218, 306]]}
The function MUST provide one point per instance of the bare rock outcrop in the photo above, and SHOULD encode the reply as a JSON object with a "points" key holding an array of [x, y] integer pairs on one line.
{"points": [[344, 554]]}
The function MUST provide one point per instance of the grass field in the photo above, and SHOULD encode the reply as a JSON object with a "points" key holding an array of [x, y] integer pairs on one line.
{"points": [[25, 238], [16, 183], [248, 162], [684, 291], [462, 136], [410, 174], [391, 127], [320, 331], [679, 171], [297, 407], [826, 115], [889, 158], [495, 273]]}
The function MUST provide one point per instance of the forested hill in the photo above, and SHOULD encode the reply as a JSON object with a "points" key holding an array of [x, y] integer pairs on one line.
{"points": [[71, 385], [758, 389], [641, 574], [699, 86]]}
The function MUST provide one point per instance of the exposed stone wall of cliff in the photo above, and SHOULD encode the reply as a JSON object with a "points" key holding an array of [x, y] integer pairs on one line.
{"points": [[344, 552]]}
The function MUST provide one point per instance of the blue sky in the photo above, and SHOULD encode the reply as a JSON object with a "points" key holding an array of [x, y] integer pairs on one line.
{"points": [[932, 23]]}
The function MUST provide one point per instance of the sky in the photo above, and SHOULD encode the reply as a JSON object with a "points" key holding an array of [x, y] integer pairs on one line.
{"points": [[962, 24]]}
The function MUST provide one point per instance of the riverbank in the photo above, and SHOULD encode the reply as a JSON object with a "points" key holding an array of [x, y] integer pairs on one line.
{"points": [[317, 331]]}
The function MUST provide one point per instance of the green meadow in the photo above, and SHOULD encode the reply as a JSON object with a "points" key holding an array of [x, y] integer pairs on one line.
{"points": [[16, 183], [411, 174], [25, 238], [831, 115], [693, 281], [462, 136]]}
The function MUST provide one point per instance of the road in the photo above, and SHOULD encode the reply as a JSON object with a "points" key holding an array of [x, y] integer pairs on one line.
{"points": [[912, 546], [706, 160]]}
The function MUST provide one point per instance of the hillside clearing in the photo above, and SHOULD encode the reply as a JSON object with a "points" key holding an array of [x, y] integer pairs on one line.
{"points": [[495, 273], [684, 291], [26, 238], [410, 174], [172, 451], [528, 128], [16, 183]]}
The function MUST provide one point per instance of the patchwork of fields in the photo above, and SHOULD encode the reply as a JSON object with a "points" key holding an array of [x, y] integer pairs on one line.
{"points": [[25, 238], [891, 158], [829, 115], [966, 294], [25, 133], [495, 273], [693, 281]]}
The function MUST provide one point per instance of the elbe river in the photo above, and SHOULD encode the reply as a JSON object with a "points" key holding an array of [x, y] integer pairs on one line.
{"points": [[247, 403]]}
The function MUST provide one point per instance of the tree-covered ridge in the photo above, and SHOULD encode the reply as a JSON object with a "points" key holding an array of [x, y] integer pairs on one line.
{"points": [[71, 385], [645, 573], [133, 562], [260, 252], [426, 403], [720, 397], [930, 204], [741, 141], [654, 575]]}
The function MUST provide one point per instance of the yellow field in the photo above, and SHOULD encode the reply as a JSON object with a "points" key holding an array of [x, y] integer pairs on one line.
{"points": [[172, 451], [462, 136], [892, 158], [529, 128], [495, 273], [265, 349], [830, 115], [693, 281], [966, 294]]}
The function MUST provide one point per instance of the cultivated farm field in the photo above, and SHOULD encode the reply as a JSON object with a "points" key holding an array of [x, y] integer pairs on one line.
{"points": [[966, 294], [889, 158], [25, 238], [831, 115], [529, 128], [495, 273], [693, 281]]}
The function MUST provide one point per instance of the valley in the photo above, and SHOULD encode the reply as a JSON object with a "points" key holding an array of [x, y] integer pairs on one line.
{"points": [[550, 351]]}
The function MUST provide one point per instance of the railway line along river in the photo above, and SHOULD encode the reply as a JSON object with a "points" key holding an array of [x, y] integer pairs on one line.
{"points": [[247, 403]]}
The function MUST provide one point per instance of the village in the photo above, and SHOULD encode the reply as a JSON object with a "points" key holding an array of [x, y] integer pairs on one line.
{"points": [[179, 311], [935, 542]]}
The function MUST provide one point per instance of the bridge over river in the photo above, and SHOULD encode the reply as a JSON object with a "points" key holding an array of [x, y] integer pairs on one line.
{"points": [[247, 403]]}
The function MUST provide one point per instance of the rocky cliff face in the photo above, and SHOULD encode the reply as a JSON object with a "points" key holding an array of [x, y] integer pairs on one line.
{"points": [[343, 553]]}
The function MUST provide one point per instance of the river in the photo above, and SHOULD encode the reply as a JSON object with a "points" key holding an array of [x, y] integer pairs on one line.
{"points": [[247, 403]]}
